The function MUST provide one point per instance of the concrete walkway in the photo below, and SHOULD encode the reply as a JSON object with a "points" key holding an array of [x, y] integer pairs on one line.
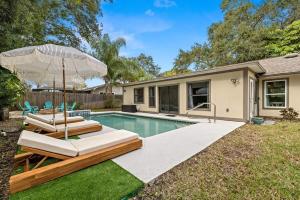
{"points": [[162, 152]]}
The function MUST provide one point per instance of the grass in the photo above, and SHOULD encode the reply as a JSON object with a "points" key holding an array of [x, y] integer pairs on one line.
{"points": [[253, 162], [103, 181]]}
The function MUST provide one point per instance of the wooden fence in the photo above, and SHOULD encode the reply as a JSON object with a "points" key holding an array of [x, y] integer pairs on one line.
{"points": [[86, 101]]}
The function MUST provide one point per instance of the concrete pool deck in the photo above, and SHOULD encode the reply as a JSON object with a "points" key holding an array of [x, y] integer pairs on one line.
{"points": [[164, 151]]}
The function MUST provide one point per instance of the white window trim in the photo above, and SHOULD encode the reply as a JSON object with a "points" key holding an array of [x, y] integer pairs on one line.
{"points": [[285, 93]]}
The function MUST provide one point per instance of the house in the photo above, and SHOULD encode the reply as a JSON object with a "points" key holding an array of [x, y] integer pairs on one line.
{"points": [[100, 89], [239, 91]]}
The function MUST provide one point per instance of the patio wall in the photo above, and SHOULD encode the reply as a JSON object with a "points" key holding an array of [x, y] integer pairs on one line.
{"points": [[87, 101]]}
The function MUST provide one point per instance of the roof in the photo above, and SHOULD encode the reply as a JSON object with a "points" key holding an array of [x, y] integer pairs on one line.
{"points": [[93, 88], [253, 65], [281, 65], [266, 67]]}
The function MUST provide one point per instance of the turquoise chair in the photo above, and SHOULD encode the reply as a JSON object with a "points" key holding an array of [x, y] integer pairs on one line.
{"points": [[31, 109], [61, 107], [48, 105], [72, 107], [25, 111]]}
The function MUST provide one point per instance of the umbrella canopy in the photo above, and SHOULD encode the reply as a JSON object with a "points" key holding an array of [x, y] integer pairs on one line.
{"points": [[47, 59], [45, 63]]}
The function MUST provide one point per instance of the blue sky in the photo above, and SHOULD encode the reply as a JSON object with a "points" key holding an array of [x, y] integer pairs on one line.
{"points": [[159, 27]]}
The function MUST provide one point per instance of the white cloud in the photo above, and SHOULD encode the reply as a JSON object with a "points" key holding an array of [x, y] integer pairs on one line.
{"points": [[164, 3], [149, 12], [132, 28]]}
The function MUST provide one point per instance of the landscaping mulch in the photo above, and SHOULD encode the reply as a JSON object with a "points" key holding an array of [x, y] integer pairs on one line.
{"points": [[252, 162], [9, 133]]}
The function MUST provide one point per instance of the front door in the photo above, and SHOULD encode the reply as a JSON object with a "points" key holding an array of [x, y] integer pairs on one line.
{"points": [[168, 99], [251, 99]]}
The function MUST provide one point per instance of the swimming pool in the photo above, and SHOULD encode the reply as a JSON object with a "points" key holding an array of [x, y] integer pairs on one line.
{"points": [[144, 126]]}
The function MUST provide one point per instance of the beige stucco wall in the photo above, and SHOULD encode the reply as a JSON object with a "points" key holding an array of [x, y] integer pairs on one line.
{"points": [[224, 94], [293, 95]]}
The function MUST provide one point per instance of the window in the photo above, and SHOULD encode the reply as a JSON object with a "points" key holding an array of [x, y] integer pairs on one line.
{"points": [[275, 94], [152, 96], [198, 93], [138, 95]]}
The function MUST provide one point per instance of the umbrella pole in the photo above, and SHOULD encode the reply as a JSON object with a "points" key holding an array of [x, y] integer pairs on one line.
{"points": [[53, 99], [65, 109]]}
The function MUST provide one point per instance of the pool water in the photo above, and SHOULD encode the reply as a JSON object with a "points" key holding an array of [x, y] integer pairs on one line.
{"points": [[144, 126]]}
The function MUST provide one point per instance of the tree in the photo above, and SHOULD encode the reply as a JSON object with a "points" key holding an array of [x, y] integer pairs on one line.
{"points": [[284, 41], [174, 72], [34, 22], [147, 63], [199, 56], [119, 69], [242, 35]]}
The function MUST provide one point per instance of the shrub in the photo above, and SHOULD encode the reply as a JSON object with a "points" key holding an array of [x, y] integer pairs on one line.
{"points": [[111, 102], [11, 90], [289, 114], [78, 106]]}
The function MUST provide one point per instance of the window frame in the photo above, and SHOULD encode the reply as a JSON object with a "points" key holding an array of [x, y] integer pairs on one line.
{"points": [[134, 95], [154, 106], [286, 93], [209, 95]]}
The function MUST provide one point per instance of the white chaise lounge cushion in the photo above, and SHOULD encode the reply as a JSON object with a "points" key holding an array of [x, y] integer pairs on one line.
{"points": [[46, 143], [40, 118], [58, 119], [76, 125], [40, 124], [98, 142], [69, 119]]}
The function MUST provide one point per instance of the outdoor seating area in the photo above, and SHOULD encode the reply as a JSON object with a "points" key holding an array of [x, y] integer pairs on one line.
{"points": [[47, 108]]}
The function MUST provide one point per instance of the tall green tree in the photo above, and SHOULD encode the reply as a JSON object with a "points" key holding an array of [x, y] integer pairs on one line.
{"points": [[148, 64], [119, 69], [34, 22], [199, 56], [242, 35], [284, 41]]}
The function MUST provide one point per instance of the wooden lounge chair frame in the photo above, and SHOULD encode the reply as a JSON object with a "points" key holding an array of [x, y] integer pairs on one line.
{"points": [[68, 164]]}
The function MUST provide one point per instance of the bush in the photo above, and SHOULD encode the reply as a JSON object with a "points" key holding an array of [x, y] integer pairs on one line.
{"points": [[111, 102], [289, 114], [11, 90], [78, 106]]}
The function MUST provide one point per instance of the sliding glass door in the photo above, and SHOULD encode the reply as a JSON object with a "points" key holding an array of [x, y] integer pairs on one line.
{"points": [[168, 99]]}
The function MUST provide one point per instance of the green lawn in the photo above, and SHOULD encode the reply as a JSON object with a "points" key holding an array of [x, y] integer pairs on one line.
{"points": [[103, 181], [253, 162]]}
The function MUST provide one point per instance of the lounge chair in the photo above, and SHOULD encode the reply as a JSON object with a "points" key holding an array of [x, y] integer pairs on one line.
{"points": [[25, 111], [59, 119], [61, 107], [48, 105], [32, 109], [72, 107], [75, 155], [57, 131]]}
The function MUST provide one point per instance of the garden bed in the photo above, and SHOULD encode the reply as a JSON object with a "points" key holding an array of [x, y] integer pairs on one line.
{"points": [[10, 132]]}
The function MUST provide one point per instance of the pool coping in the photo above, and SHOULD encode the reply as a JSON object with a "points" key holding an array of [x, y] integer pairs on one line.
{"points": [[158, 115]]}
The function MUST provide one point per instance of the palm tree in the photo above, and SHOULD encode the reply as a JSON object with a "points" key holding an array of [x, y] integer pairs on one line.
{"points": [[119, 69]]}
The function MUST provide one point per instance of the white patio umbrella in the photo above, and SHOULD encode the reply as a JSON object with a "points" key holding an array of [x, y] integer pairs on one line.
{"points": [[45, 62]]}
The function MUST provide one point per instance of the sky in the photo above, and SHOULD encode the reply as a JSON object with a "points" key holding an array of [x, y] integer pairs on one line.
{"points": [[158, 28]]}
